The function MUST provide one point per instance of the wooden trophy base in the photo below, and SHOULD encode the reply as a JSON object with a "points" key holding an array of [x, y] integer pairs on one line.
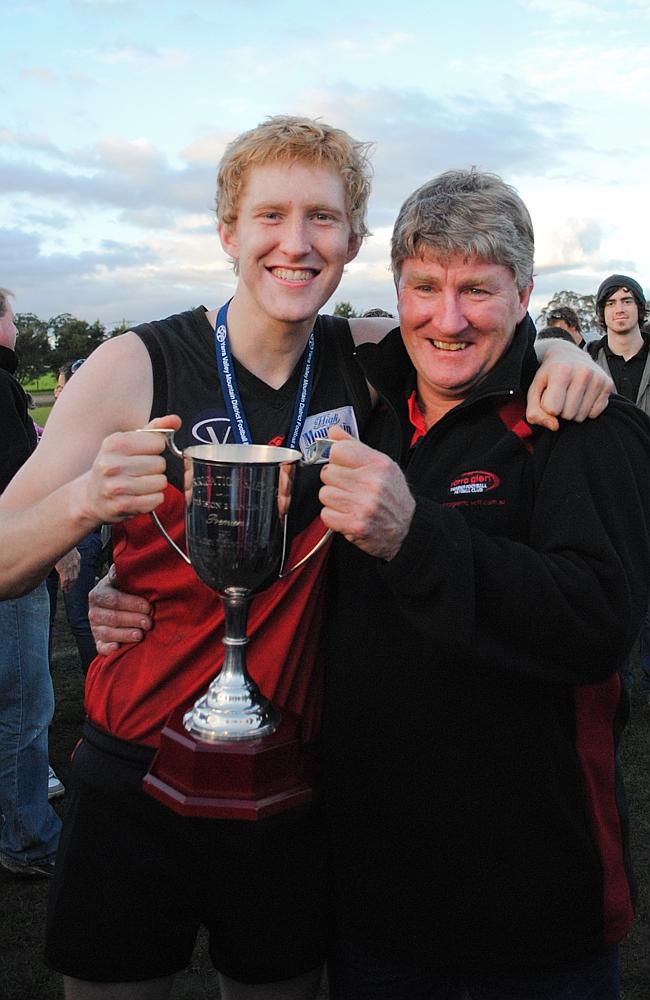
{"points": [[238, 779]]}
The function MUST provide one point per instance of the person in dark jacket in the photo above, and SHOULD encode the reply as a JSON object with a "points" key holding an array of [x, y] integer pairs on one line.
{"points": [[487, 580], [624, 353], [29, 826], [565, 318]]}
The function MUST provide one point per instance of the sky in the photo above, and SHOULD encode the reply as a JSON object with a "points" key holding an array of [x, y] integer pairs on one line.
{"points": [[114, 114]]}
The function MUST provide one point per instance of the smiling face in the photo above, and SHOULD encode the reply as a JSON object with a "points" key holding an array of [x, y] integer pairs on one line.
{"points": [[621, 312], [457, 319], [291, 239]]}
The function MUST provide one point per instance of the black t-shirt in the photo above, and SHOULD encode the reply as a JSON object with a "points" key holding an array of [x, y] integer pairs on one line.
{"points": [[627, 375]]}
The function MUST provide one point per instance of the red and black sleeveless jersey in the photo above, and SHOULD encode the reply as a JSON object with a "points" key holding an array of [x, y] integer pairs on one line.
{"points": [[131, 692]]}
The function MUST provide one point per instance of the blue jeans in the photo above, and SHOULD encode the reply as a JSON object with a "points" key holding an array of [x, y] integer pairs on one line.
{"points": [[76, 599], [358, 976], [29, 828], [626, 671]]}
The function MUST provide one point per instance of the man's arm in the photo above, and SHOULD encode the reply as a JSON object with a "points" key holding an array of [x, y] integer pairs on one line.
{"points": [[86, 469], [371, 329], [568, 385], [68, 567], [117, 618]]}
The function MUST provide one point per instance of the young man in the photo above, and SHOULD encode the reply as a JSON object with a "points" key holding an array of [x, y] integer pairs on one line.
{"points": [[292, 199], [291, 205], [623, 351], [479, 834]]}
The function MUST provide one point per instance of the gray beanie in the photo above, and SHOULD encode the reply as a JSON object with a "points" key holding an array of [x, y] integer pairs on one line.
{"points": [[616, 281]]}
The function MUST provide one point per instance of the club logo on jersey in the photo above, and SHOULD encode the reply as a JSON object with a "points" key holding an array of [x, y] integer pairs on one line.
{"points": [[318, 426], [212, 430], [476, 481]]}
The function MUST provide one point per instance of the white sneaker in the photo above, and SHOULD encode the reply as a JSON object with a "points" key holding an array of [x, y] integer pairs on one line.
{"points": [[55, 787]]}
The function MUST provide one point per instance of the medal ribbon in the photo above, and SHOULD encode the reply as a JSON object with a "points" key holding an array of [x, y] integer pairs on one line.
{"points": [[230, 389]]}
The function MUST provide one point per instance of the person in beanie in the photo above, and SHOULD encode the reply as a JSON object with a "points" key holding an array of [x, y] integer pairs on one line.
{"points": [[623, 353]]}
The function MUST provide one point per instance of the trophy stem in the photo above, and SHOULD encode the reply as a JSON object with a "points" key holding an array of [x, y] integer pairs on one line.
{"points": [[233, 708]]}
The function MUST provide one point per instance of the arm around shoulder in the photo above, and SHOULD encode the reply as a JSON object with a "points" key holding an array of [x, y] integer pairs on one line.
{"points": [[371, 329]]}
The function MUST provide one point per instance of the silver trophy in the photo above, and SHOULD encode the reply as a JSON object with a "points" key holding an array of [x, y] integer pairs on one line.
{"points": [[237, 499], [232, 756]]}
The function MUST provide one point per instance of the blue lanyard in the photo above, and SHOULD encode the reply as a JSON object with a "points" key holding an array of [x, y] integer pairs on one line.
{"points": [[230, 389]]}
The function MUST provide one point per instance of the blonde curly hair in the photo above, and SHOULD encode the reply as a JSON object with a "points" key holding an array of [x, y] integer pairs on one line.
{"points": [[290, 139]]}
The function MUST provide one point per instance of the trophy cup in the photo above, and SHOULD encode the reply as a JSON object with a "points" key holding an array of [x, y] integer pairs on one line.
{"points": [[232, 755]]}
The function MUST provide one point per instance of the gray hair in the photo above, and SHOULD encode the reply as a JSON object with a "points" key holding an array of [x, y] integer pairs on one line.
{"points": [[5, 293], [468, 213]]}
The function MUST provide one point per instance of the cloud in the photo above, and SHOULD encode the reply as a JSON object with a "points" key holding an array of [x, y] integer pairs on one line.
{"points": [[135, 158], [47, 220], [100, 4], [565, 10], [81, 81], [377, 43], [418, 136], [167, 199], [135, 56], [39, 73], [568, 242], [594, 11], [208, 148], [23, 257], [33, 142], [115, 280], [126, 179]]}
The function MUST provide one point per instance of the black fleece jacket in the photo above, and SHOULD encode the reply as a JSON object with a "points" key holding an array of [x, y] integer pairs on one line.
{"points": [[473, 706], [18, 438]]}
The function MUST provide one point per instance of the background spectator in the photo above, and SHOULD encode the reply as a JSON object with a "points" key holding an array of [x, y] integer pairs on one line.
{"points": [[29, 827]]}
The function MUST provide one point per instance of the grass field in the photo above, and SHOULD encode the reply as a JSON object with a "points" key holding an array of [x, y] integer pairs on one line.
{"points": [[43, 383], [40, 414], [22, 903]]}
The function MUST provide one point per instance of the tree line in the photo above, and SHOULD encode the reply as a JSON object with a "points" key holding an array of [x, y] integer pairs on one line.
{"points": [[45, 345]]}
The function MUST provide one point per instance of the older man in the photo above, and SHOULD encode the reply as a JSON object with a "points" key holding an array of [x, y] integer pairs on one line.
{"points": [[487, 582]]}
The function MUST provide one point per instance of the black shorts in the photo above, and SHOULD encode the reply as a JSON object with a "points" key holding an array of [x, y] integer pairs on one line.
{"points": [[134, 881]]}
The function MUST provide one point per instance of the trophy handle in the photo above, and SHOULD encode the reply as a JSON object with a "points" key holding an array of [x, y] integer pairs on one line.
{"points": [[175, 450], [163, 531], [316, 452], [319, 544]]}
